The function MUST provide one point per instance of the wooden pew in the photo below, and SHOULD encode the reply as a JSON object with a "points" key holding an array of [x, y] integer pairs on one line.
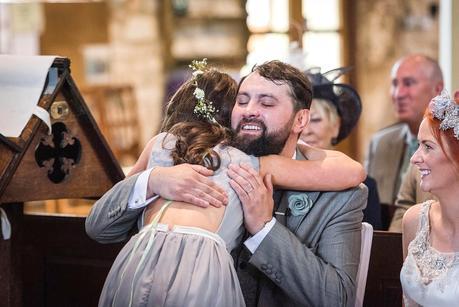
{"points": [[62, 266], [383, 283]]}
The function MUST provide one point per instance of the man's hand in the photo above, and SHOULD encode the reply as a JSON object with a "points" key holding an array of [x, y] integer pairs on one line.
{"points": [[187, 183], [255, 193]]}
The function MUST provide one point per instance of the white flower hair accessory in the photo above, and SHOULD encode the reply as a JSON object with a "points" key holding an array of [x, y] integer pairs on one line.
{"points": [[447, 111], [203, 108]]}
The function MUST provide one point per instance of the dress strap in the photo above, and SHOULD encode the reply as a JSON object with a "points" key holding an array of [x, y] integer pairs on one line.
{"points": [[152, 227], [160, 214], [424, 223]]}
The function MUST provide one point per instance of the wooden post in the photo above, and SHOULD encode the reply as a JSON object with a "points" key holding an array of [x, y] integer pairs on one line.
{"points": [[10, 259]]}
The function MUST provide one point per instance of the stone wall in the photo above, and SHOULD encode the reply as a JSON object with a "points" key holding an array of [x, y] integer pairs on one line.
{"points": [[136, 58], [387, 30]]}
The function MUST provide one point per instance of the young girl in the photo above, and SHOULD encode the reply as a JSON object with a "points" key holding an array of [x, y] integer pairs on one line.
{"points": [[181, 255]]}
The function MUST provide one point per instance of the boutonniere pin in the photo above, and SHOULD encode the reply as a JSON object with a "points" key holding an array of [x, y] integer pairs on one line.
{"points": [[299, 204]]}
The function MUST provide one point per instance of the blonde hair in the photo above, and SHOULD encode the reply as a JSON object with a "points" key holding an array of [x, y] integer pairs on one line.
{"points": [[327, 109]]}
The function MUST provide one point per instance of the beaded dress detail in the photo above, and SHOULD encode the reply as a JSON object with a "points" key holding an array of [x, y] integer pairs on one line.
{"points": [[429, 277]]}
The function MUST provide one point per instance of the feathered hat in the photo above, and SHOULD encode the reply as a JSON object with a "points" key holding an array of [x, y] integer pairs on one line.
{"points": [[344, 97]]}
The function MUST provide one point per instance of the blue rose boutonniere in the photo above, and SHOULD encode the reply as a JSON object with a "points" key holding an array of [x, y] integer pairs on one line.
{"points": [[299, 204]]}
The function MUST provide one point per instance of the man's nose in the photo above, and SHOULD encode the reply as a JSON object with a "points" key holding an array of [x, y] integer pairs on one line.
{"points": [[252, 110], [399, 91]]}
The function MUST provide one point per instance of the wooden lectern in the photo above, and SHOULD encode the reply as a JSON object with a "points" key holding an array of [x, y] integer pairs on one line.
{"points": [[48, 254]]}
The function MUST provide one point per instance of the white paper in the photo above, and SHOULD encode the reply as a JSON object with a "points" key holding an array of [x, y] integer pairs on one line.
{"points": [[22, 79]]}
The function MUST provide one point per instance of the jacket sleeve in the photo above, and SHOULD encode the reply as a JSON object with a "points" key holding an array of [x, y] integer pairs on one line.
{"points": [[320, 275], [406, 198], [110, 220], [369, 158]]}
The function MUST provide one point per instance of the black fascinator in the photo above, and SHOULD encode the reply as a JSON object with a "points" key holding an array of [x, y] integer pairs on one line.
{"points": [[344, 97]]}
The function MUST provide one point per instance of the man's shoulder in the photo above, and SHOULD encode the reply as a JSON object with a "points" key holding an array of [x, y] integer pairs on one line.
{"points": [[356, 196], [389, 131], [359, 190]]}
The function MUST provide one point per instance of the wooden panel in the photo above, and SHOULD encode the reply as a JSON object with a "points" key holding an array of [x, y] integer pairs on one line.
{"points": [[10, 158], [383, 283], [62, 266], [6, 156], [10, 263], [88, 178]]}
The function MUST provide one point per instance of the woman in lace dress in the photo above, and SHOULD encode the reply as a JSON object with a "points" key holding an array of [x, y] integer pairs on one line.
{"points": [[430, 273]]}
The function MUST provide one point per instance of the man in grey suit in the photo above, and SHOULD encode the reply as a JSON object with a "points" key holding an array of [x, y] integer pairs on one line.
{"points": [[416, 79], [308, 253]]}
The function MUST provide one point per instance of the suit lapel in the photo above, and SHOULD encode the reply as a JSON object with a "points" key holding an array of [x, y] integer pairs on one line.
{"points": [[281, 202]]}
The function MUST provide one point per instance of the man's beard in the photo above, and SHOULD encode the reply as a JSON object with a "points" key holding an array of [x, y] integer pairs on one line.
{"points": [[265, 144]]}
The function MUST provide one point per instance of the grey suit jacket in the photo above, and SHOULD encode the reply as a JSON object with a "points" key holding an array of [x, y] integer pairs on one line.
{"points": [[384, 160], [310, 261], [313, 260], [110, 220]]}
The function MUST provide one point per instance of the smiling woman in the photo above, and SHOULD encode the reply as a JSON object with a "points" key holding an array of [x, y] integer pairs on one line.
{"points": [[431, 230]]}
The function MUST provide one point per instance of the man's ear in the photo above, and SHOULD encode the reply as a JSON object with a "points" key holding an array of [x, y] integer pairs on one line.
{"points": [[301, 120], [439, 87]]}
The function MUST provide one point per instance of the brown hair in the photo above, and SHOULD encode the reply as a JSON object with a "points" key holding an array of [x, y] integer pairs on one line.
{"points": [[196, 136], [446, 138], [282, 73]]}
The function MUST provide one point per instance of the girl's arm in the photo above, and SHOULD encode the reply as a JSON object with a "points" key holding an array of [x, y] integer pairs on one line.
{"points": [[142, 162], [325, 170]]}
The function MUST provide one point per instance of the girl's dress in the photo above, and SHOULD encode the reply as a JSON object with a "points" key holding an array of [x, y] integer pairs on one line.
{"points": [[429, 277], [183, 266]]}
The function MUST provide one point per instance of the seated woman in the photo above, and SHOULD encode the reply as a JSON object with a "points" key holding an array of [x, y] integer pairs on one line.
{"points": [[180, 257], [335, 110], [430, 272]]}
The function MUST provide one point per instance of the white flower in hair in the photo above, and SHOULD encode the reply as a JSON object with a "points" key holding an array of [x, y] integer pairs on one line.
{"points": [[199, 93], [203, 108], [197, 73]]}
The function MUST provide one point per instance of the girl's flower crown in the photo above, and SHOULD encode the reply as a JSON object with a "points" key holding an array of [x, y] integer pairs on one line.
{"points": [[447, 111], [204, 107]]}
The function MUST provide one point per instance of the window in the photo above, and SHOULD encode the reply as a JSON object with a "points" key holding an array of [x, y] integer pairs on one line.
{"points": [[322, 38], [270, 24]]}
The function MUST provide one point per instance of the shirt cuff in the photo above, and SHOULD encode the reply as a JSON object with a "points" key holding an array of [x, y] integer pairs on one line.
{"points": [[137, 199], [253, 242]]}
